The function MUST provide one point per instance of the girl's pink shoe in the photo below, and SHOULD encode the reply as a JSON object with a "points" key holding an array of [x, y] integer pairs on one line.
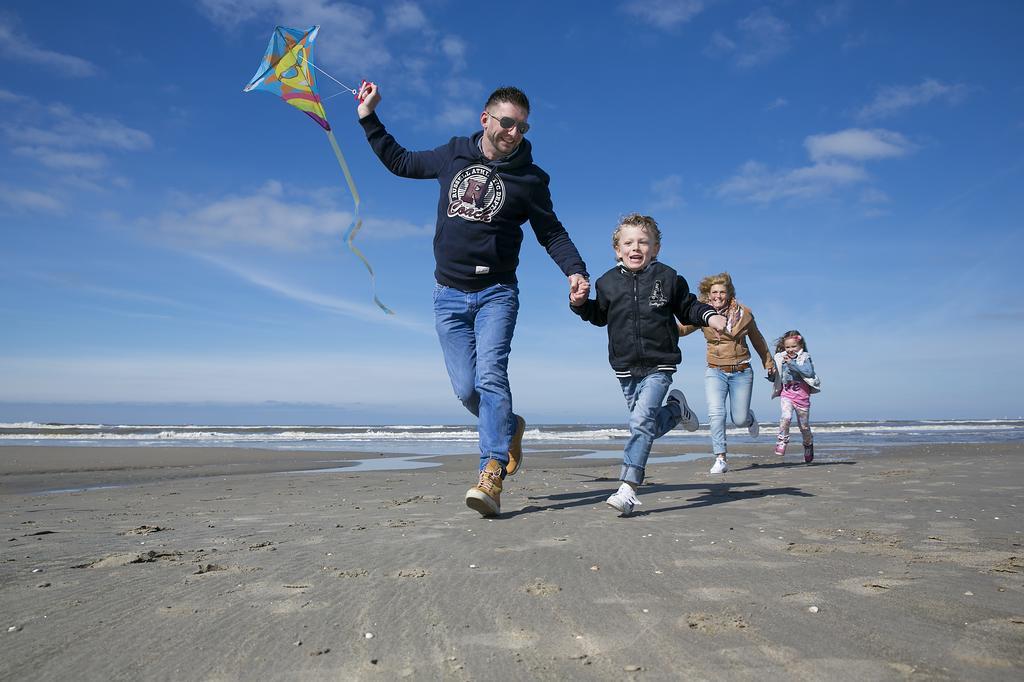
{"points": [[780, 449], [808, 454]]}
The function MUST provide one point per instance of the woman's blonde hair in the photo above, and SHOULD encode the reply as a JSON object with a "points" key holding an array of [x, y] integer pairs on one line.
{"points": [[644, 222], [722, 278]]}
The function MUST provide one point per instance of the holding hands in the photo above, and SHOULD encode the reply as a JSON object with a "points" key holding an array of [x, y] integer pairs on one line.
{"points": [[717, 322], [579, 289]]}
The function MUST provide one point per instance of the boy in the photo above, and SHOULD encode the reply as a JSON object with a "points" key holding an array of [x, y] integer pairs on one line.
{"points": [[637, 300]]}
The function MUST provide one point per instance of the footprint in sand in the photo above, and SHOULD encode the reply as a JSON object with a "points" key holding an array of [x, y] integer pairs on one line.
{"points": [[712, 623], [539, 588]]}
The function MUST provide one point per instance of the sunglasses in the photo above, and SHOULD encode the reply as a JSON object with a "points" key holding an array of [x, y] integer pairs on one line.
{"points": [[507, 122]]}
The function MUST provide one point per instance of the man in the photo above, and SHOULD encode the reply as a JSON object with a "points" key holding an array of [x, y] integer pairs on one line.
{"points": [[489, 188]]}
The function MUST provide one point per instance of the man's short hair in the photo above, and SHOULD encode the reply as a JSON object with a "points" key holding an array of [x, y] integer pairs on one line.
{"points": [[509, 95]]}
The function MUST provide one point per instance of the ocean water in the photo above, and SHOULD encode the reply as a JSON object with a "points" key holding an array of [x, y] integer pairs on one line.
{"points": [[438, 439]]}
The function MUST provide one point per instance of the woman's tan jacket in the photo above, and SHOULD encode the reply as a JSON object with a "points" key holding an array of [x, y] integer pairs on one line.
{"points": [[730, 350]]}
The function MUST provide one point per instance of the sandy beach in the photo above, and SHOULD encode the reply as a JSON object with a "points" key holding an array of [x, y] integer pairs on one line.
{"points": [[219, 564]]}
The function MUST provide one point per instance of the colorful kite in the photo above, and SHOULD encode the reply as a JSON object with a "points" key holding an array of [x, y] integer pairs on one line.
{"points": [[286, 72]]}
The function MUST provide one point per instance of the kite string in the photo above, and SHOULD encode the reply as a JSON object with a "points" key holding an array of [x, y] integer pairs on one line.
{"points": [[357, 221], [310, 63]]}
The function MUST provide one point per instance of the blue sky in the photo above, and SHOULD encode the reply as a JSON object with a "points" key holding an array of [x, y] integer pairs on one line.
{"points": [[172, 248]]}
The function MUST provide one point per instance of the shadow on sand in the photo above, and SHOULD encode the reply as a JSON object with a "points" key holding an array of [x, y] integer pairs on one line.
{"points": [[711, 493]]}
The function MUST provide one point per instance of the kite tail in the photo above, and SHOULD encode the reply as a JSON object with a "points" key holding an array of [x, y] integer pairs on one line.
{"points": [[357, 221]]}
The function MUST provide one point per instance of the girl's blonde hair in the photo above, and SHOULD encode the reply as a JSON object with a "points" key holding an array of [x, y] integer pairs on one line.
{"points": [[780, 343], [644, 222], [710, 281]]}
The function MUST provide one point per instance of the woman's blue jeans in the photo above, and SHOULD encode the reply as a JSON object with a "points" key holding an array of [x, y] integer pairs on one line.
{"points": [[717, 386], [648, 420], [475, 330]]}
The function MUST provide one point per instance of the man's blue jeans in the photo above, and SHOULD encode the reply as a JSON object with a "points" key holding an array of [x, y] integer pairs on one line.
{"points": [[737, 386], [648, 420], [475, 330]]}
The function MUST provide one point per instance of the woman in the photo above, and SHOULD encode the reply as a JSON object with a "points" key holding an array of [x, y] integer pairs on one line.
{"points": [[729, 372]]}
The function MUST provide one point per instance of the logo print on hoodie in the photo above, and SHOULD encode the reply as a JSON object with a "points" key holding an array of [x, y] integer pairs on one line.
{"points": [[476, 193], [657, 296]]}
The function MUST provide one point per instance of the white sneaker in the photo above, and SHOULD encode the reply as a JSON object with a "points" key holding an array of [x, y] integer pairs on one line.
{"points": [[754, 429], [689, 420], [623, 500], [721, 466]]}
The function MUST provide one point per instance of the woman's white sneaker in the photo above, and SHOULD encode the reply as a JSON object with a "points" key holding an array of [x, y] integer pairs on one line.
{"points": [[720, 466]]}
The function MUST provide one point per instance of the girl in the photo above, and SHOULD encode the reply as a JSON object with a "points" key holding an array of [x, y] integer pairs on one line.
{"points": [[795, 381]]}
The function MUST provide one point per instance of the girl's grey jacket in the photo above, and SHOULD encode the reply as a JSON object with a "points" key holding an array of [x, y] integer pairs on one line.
{"points": [[799, 369], [639, 309]]}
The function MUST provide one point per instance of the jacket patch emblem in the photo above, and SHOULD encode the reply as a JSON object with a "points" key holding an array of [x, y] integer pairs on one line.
{"points": [[476, 193], [657, 298]]}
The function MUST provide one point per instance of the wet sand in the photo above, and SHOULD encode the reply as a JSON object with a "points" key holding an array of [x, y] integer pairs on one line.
{"points": [[204, 563]]}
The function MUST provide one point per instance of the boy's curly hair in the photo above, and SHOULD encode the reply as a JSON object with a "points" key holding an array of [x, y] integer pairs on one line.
{"points": [[780, 343], [644, 222], [722, 278]]}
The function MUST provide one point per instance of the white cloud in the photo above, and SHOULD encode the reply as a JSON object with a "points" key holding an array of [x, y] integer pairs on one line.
{"points": [[837, 162], [778, 103], [668, 192], [62, 160], [765, 37], [404, 16], [30, 200], [274, 217], [664, 14], [455, 49], [18, 47], [456, 115], [857, 144], [58, 137], [893, 99], [755, 182], [761, 37], [872, 195], [830, 15]]}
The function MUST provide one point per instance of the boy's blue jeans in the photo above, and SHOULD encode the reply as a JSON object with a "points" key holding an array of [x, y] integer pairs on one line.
{"points": [[475, 330], [737, 386], [648, 420]]}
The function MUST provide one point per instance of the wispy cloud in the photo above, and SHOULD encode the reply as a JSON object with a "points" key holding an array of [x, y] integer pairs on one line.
{"points": [[15, 46], [58, 137], [330, 303], [760, 37], [667, 192], [405, 16], [30, 200], [664, 14], [833, 14], [777, 103], [857, 144], [837, 158], [275, 217], [894, 99], [62, 160]]}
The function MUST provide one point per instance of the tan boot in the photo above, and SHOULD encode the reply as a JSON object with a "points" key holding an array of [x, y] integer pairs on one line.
{"points": [[515, 448], [485, 496]]}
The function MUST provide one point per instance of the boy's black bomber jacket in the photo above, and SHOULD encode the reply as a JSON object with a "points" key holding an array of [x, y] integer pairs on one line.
{"points": [[639, 309]]}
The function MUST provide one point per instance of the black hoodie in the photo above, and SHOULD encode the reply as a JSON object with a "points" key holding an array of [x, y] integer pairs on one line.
{"points": [[482, 207], [640, 310]]}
